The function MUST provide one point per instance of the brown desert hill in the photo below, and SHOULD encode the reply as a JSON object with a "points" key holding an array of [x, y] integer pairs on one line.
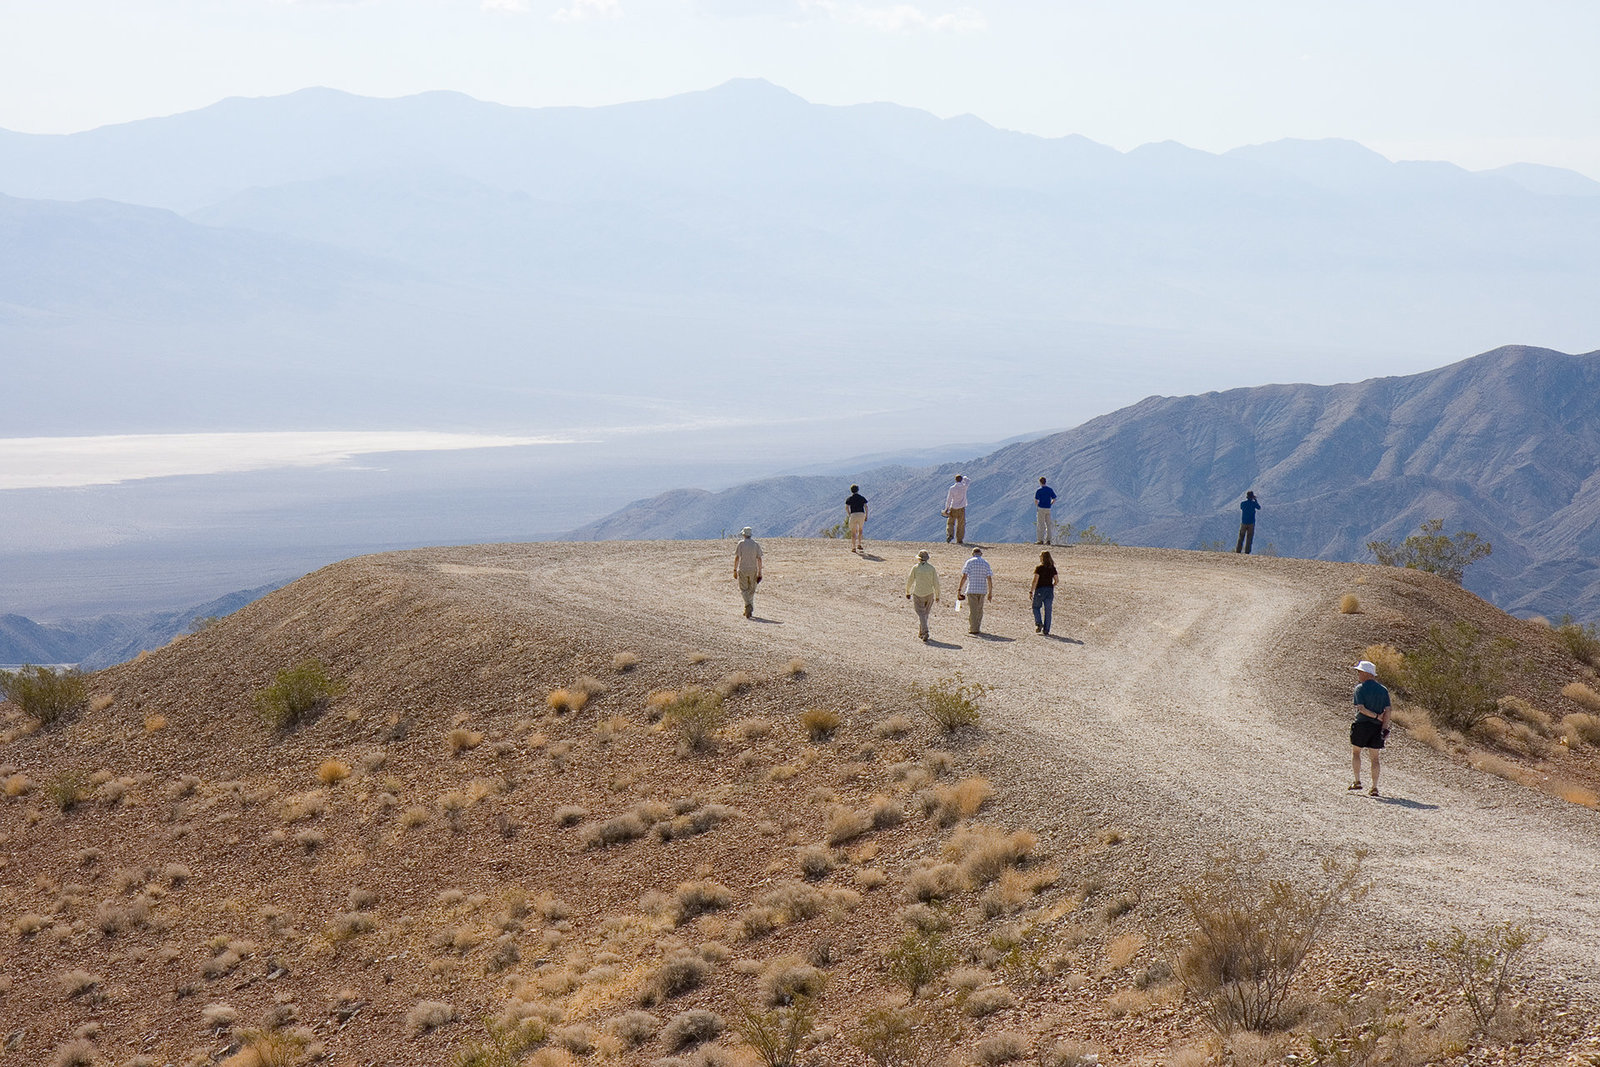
{"points": [[460, 842]]}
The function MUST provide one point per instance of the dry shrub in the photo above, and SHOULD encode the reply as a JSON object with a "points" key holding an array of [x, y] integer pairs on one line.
{"points": [[1579, 693], [562, 701], [1581, 728], [1007, 1046], [789, 978], [429, 1015], [815, 862], [1582, 640], [984, 853], [981, 1003], [1500, 768], [1515, 708], [696, 821], [903, 1037], [695, 714], [845, 824], [1121, 950], [952, 702], [691, 1028], [1252, 932], [270, 1046], [1349, 604], [333, 771], [633, 1028], [1483, 966], [697, 898], [614, 831], [937, 882], [948, 805], [795, 667], [153, 723], [623, 662], [697, 658], [885, 812], [736, 683], [893, 726], [462, 739], [77, 982], [658, 701], [1420, 728], [819, 723], [17, 784], [1390, 661], [751, 729], [677, 974], [570, 815]]}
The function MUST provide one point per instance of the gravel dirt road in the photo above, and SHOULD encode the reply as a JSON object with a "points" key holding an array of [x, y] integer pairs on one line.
{"points": [[1192, 698]]}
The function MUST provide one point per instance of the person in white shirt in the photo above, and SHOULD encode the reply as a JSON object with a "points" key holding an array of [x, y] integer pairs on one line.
{"points": [[922, 589], [977, 583], [955, 512]]}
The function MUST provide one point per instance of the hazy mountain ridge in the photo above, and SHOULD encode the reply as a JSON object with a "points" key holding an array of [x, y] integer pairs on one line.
{"points": [[1506, 443]]}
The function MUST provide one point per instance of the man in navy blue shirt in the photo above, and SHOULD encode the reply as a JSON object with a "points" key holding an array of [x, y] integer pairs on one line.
{"points": [[1044, 496], [855, 516], [1247, 522], [1371, 725]]}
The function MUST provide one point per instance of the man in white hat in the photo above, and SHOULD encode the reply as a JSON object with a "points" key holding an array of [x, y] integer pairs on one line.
{"points": [[747, 569], [1371, 725]]}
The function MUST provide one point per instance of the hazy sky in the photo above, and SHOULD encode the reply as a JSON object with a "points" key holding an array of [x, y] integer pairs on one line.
{"points": [[1479, 82]]}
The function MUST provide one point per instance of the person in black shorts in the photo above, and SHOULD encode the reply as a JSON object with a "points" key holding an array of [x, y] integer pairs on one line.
{"points": [[1371, 725]]}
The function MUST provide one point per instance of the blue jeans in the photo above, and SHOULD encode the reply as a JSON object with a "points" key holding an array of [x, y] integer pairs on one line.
{"points": [[1044, 599]]}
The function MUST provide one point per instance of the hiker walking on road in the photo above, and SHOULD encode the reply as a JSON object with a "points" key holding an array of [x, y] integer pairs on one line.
{"points": [[1247, 522], [955, 512], [1044, 496], [922, 589], [977, 584], [1043, 591], [747, 569], [1371, 725], [855, 516]]}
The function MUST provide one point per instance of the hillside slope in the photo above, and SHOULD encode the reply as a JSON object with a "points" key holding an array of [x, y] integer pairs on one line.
{"points": [[1506, 443], [200, 864]]}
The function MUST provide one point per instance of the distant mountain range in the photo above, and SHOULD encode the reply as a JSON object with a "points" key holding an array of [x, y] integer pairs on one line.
{"points": [[328, 259], [95, 643], [1506, 444]]}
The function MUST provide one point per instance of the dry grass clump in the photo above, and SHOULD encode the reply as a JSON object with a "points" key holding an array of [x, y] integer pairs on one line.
{"points": [[429, 1015], [622, 663], [633, 1028], [1008, 1046], [79, 1052], [1581, 728], [845, 824], [937, 881], [697, 658], [270, 1046], [563, 701], [1349, 604], [736, 683], [16, 785], [614, 831], [697, 898], [1579, 693], [1519, 710], [678, 974], [658, 701], [218, 1016], [815, 862], [333, 771], [1511, 772], [1390, 661], [981, 1003], [154, 723], [885, 812], [691, 1028], [695, 714], [893, 726], [819, 723], [795, 667], [984, 853], [77, 982], [695, 821], [462, 740], [948, 805], [788, 978], [570, 815]]}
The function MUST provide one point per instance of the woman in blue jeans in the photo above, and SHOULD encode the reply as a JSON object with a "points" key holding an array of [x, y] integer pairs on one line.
{"points": [[1043, 590]]}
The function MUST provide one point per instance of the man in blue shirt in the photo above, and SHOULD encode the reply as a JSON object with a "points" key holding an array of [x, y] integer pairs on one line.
{"points": [[1371, 725], [1044, 496], [1247, 522], [855, 516]]}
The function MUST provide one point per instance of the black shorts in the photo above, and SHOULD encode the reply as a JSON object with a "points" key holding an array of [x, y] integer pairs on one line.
{"points": [[1366, 733]]}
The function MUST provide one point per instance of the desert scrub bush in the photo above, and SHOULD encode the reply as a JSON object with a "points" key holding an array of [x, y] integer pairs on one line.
{"points": [[885, 812], [429, 1015], [937, 881], [614, 831], [633, 1028], [155, 723], [1483, 965], [1008, 1046], [788, 979], [218, 1016], [1582, 640], [902, 1037], [333, 771], [17, 785], [623, 662], [563, 701], [677, 974], [815, 862], [982, 1003], [691, 1028], [696, 821], [1391, 664], [1457, 676], [918, 960], [270, 1046], [697, 898], [75, 983], [776, 1034], [984, 853], [570, 815], [1434, 551], [1251, 932], [846, 824], [735, 683], [795, 667], [893, 726], [1581, 728], [79, 1052], [506, 1042], [1579, 693], [695, 714], [949, 804], [1349, 604], [819, 723], [952, 702], [68, 789], [45, 694], [295, 693], [460, 739]]}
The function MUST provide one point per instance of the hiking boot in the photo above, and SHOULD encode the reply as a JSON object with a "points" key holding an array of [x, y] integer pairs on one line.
{"points": [[749, 612]]}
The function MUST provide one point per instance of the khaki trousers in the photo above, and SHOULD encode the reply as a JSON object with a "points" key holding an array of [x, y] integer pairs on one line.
{"points": [[1045, 526], [975, 611], [747, 589], [923, 605], [955, 527]]}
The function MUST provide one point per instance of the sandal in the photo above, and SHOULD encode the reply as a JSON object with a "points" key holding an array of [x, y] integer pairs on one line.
{"points": [[1352, 787], [1372, 792]]}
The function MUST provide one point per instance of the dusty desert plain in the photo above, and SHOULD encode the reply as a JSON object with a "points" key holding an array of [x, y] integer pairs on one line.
{"points": [[569, 807]]}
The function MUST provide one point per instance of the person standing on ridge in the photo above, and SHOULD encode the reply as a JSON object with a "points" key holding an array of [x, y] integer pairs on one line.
{"points": [[747, 569], [1372, 723], [977, 581], [955, 512], [922, 589], [855, 516], [1043, 591], [1044, 496], [1247, 522]]}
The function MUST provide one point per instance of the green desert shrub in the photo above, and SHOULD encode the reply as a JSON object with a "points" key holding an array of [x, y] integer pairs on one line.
{"points": [[696, 714], [1482, 966], [297, 692], [1434, 551], [45, 693], [1580, 639], [1457, 676], [776, 1034], [918, 960], [952, 702]]}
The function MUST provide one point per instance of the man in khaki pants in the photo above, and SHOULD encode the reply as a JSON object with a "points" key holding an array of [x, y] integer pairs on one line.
{"points": [[955, 512], [977, 584], [747, 569]]}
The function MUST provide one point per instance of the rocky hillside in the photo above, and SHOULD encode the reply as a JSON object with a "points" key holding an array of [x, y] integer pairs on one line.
{"points": [[504, 841], [1506, 444]]}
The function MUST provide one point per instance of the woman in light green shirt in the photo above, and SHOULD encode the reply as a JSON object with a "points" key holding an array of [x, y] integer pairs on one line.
{"points": [[922, 589]]}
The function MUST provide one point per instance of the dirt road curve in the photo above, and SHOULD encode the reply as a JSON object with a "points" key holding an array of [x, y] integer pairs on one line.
{"points": [[1190, 697]]}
